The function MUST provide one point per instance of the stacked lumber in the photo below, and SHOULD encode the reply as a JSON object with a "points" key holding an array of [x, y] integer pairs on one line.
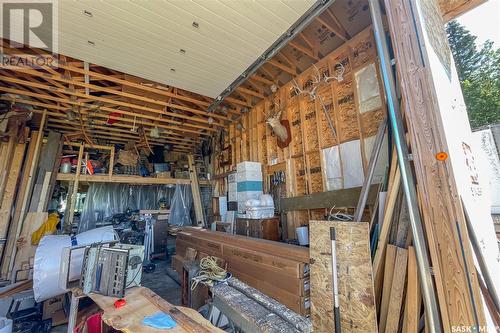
{"points": [[278, 270], [24, 180]]}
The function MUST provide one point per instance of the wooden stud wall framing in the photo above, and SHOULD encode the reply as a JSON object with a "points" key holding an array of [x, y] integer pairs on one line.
{"points": [[310, 131]]}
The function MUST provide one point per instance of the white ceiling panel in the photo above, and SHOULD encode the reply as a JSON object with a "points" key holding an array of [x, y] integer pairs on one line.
{"points": [[144, 38]]}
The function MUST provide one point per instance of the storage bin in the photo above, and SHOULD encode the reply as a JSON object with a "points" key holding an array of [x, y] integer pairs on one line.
{"points": [[249, 176], [259, 212], [250, 186], [248, 166]]}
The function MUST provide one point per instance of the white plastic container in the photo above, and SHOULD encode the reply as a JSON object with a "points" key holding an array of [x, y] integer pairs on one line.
{"points": [[249, 176], [259, 212], [247, 195], [303, 235], [266, 200], [248, 166], [48, 263]]}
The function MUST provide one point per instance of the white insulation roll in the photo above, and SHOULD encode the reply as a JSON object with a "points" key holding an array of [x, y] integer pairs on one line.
{"points": [[47, 264]]}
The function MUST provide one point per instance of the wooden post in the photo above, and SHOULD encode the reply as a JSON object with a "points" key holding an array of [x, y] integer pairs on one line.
{"points": [[111, 160], [195, 189], [8, 260], [438, 123], [68, 219]]}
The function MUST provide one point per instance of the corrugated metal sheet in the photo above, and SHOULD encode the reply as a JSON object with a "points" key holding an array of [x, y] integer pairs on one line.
{"points": [[144, 38]]}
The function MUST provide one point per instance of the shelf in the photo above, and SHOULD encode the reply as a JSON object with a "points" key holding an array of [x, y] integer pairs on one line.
{"points": [[124, 179]]}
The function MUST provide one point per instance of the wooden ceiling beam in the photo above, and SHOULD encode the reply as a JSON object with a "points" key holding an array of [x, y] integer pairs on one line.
{"points": [[304, 50], [261, 79], [282, 67], [338, 24], [97, 124], [105, 77], [250, 92], [100, 115], [64, 79], [333, 28], [105, 100], [124, 136]]}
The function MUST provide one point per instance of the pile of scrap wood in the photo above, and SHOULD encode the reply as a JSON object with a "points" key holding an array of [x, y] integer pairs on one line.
{"points": [[279, 270], [29, 168]]}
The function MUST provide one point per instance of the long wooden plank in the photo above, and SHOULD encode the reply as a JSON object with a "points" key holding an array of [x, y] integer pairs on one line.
{"points": [[385, 290], [413, 298], [378, 261], [433, 101], [21, 196], [292, 252], [339, 198], [397, 291], [195, 190], [355, 282], [10, 191]]}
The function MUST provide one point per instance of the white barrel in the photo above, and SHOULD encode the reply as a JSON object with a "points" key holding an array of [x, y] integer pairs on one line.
{"points": [[47, 263], [303, 235]]}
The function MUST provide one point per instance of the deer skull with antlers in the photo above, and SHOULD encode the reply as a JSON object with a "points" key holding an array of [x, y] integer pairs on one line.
{"points": [[274, 121]]}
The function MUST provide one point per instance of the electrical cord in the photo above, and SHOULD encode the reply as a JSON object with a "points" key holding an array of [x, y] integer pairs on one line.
{"points": [[209, 271]]}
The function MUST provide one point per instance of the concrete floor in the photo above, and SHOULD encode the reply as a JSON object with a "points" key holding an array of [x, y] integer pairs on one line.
{"points": [[162, 284]]}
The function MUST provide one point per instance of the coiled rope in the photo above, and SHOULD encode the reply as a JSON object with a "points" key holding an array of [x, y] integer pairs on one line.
{"points": [[209, 271]]}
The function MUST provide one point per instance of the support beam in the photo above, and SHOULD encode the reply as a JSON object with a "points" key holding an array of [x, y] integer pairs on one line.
{"points": [[195, 189]]}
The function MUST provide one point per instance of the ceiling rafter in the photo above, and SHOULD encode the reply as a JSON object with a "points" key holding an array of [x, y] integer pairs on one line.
{"points": [[101, 99]]}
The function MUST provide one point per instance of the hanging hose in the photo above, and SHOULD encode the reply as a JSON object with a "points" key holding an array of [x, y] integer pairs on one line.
{"points": [[209, 271]]}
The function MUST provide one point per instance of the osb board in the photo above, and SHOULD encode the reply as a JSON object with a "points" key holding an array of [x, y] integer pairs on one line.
{"points": [[295, 127], [370, 121], [356, 295], [363, 49], [300, 179], [315, 174], [326, 137], [262, 143], [308, 107], [342, 58], [347, 114]]}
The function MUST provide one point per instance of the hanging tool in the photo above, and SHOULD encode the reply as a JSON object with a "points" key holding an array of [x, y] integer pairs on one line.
{"points": [[336, 303]]}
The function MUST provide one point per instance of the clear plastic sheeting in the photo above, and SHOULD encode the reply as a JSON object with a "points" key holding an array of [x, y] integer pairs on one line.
{"points": [[104, 200], [180, 207]]}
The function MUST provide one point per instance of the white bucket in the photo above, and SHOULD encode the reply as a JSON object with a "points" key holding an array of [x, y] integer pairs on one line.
{"points": [[303, 235], [47, 263], [5, 325]]}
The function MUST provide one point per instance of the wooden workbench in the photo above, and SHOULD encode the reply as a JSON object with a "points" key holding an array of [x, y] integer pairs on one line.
{"points": [[142, 302]]}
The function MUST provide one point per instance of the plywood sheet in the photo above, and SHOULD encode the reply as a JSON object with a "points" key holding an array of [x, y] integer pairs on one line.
{"points": [[363, 49], [357, 300], [347, 115], [300, 176], [326, 137], [315, 172], [309, 118], [295, 127]]}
